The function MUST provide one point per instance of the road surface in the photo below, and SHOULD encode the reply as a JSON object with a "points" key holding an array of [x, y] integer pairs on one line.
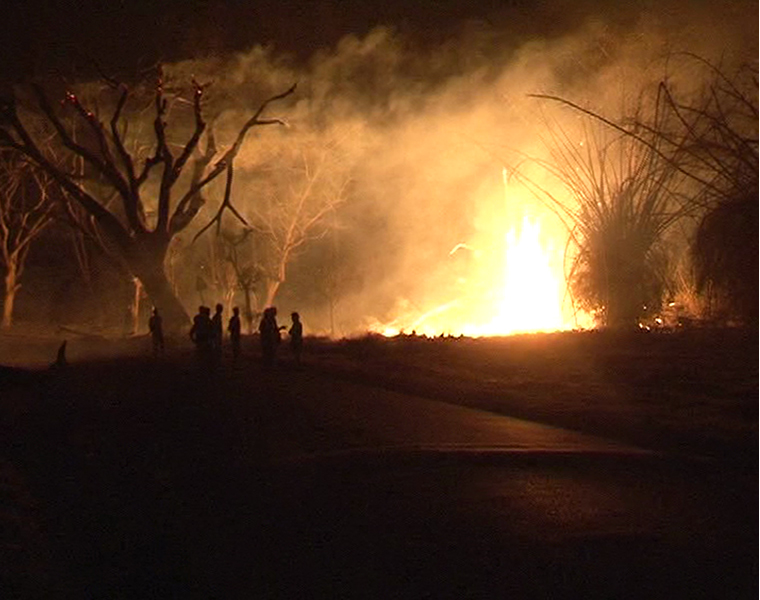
{"points": [[156, 481]]}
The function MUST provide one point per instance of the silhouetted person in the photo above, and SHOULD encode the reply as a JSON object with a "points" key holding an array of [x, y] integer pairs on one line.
{"points": [[234, 329], [217, 332], [156, 327], [269, 335], [296, 337], [200, 332]]}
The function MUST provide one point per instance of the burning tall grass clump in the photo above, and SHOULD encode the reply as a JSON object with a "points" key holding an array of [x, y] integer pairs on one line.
{"points": [[677, 176], [625, 198]]}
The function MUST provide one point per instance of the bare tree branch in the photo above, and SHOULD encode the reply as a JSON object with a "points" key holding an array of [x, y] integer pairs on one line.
{"points": [[25, 211], [192, 202], [126, 158], [226, 203], [29, 148], [173, 171], [225, 162], [625, 131]]}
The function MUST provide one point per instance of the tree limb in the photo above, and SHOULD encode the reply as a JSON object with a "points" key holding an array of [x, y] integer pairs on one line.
{"points": [[106, 165], [171, 175], [30, 149], [192, 201], [225, 162], [226, 203]]}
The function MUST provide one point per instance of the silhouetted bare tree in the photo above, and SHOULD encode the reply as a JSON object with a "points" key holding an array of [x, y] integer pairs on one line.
{"points": [[247, 272], [140, 239]]}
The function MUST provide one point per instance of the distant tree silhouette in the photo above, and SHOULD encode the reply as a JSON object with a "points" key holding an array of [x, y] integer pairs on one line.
{"points": [[26, 209], [246, 271], [303, 185]]}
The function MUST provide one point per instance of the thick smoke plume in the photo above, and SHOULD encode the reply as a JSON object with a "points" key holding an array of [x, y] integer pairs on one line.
{"points": [[413, 145]]}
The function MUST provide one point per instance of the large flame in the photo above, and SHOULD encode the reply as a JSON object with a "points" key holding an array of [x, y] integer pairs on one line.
{"points": [[531, 295], [518, 286]]}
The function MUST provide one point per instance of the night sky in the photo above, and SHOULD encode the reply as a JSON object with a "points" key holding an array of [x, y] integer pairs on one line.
{"points": [[40, 35]]}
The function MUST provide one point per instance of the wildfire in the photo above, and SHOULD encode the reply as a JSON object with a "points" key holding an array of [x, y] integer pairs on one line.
{"points": [[531, 296], [516, 287]]}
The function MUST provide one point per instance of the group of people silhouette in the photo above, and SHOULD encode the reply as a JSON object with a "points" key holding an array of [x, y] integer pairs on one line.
{"points": [[269, 336], [208, 335]]}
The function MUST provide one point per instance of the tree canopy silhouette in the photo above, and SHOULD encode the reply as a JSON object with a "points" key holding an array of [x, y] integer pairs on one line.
{"points": [[156, 201]]}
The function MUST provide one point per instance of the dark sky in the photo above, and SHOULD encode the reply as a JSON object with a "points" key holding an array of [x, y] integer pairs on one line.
{"points": [[41, 34], [37, 36]]}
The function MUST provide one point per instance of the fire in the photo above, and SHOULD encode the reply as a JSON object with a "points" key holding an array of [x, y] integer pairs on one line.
{"points": [[516, 286], [531, 296]]}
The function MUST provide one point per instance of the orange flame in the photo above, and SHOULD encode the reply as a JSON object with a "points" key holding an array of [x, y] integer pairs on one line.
{"points": [[521, 289]]}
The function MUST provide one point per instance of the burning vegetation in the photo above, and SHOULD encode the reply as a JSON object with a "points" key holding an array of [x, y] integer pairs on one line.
{"points": [[590, 180]]}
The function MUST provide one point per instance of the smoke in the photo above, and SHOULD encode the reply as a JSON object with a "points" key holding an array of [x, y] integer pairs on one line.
{"points": [[413, 140]]}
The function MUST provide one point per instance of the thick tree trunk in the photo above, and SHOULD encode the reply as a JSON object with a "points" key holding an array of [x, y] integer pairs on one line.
{"points": [[249, 315], [147, 264], [136, 297], [273, 285], [160, 292], [11, 287]]}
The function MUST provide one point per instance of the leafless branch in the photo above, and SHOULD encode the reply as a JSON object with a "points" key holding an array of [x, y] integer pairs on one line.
{"points": [[172, 172], [624, 131], [29, 148], [225, 162], [193, 200], [226, 203]]}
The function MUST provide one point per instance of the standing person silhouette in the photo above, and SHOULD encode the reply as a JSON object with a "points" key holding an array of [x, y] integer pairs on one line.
{"points": [[269, 335], [234, 329], [155, 325], [200, 332], [216, 332], [296, 337]]}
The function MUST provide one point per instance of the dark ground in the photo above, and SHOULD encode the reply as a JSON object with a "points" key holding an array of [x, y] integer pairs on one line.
{"points": [[131, 478], [693, 391]]}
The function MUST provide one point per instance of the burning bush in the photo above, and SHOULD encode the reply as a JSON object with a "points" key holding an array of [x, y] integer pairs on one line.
{"points": [[626, 195], [631, 180]]}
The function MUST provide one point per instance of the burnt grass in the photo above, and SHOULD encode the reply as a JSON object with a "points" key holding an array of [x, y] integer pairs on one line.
{"points": [[108, 469]]}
